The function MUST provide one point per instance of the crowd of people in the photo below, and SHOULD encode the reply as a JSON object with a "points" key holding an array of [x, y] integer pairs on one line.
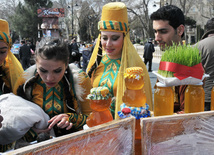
{"points": [[59, 86]]}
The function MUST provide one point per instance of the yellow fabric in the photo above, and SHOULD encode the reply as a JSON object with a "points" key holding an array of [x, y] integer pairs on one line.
{"points": [[94, 55], [15, 67], [130, 57], [115, 11], [114, 17], [85, 83], [4, 26]]}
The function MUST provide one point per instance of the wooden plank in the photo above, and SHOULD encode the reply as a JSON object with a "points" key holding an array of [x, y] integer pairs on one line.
{"points": [[115, 137], [191, 133]]}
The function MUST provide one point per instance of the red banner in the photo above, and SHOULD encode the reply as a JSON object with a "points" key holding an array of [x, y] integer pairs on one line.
{"points": [[182, 71]]}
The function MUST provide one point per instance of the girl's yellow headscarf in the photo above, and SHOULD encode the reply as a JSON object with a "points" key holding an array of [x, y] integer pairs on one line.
{"points": [[15, 68], [115, 18]]}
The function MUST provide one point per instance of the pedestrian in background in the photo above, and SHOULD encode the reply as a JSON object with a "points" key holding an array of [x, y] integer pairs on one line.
{"points": [[206, 48], [25, 55], [148, 53], [86, 55], [74, 53]]}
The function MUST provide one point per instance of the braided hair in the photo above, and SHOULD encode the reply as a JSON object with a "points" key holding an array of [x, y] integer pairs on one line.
{"points": [[97, 62]]}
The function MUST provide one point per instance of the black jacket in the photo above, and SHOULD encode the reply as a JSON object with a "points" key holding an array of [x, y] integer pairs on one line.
{"points": [[24, 52], [148, 50]]}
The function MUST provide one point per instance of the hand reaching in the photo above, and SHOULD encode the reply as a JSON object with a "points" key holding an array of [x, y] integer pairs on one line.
{"points": [[61, 120]]}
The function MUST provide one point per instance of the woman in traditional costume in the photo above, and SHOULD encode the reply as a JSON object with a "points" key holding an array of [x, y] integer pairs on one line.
{"points": [[113, 53], [10, 67]]}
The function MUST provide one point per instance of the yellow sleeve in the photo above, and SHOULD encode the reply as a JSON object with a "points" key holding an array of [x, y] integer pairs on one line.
{"points": [[79, 119], [85, 83], [20, 81]]}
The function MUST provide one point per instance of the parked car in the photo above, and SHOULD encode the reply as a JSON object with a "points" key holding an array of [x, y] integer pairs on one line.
{"points": [[15, 50]]}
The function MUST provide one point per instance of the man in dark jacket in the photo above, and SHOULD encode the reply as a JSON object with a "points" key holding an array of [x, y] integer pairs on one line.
{"points": [[148, 53], [74, 53], [25, 55], [86, 55]]}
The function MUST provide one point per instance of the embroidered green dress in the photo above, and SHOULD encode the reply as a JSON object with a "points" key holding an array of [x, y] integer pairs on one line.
{"points": [[106, 75]]}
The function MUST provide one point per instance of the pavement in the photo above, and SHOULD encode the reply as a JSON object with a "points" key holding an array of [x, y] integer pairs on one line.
{"points": [[153, 77]]}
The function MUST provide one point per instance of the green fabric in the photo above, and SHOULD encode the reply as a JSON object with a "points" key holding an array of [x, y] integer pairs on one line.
{"points": [[56, 97], [121, 26], [110, 72], [112, 107], [30, 136], [77, 120], [104, 23], [7, 147], [112, 25]]}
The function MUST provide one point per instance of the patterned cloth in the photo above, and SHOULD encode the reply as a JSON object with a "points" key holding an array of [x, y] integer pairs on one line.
{"points": [[99, 93], [137, 112], [109, 74]]}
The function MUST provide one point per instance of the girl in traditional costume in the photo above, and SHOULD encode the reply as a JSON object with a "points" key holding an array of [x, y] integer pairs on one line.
{"points": [[58, 88]]}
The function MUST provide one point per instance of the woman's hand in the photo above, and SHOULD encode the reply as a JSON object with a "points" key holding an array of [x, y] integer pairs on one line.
{"points": [[61, 120]]}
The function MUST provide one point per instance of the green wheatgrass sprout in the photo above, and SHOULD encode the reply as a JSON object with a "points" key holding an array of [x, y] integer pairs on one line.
{"points": [[181, 54]]}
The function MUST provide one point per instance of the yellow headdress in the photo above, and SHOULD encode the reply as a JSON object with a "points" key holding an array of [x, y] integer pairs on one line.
{"points": [[114, 18], [15, 68]]}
